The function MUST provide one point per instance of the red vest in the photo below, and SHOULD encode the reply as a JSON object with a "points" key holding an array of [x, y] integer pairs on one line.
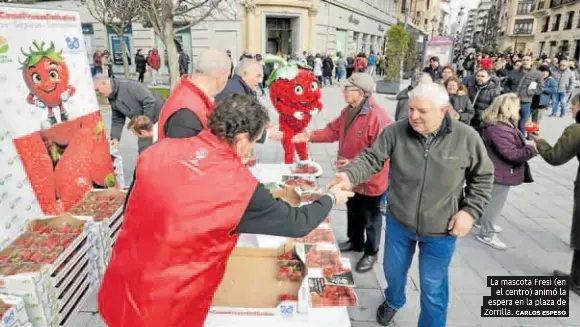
{"points": [[185, 95], [173, 248]]}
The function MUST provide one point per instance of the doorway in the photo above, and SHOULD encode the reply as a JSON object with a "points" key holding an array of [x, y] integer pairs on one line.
{"points": [[281, 35]]}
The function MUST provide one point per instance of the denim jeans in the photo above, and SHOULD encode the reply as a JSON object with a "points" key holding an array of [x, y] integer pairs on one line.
{"points": [[525, 114], [435, 253], [340, 73], [559, 98], [386, 194]]}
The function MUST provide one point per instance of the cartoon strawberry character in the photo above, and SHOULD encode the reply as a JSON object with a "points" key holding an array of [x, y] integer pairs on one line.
{"points": [[47, 76], [295, 93]]}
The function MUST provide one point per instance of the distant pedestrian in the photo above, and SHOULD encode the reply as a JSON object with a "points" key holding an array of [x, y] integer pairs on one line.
{"points": [[140, 65]]}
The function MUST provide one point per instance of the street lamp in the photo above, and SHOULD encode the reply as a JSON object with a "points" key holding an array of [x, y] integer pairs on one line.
{"points": [[516, 33], [433, 23]]}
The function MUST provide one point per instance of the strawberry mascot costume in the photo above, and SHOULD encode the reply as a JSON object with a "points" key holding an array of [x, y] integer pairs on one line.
{"points": [[295, 93]]}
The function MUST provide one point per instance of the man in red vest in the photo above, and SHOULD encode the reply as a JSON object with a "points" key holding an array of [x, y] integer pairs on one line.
{"points": [[173, 248]]}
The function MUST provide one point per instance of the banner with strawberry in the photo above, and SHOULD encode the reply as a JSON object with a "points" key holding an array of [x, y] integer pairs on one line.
{"points": [[53, 145]]}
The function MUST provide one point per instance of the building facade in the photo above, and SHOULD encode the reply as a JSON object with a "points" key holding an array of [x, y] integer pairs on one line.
{"points": [[424, 18], [258, 26], [517, 25], [469, 29], [558, 28]]}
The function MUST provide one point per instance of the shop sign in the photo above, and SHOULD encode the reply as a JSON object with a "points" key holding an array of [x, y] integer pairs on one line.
{"points": [[352, 19]]}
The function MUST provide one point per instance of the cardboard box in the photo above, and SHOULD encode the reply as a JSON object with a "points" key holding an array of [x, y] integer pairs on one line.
{"points": [[16, 315], [249, 269]]}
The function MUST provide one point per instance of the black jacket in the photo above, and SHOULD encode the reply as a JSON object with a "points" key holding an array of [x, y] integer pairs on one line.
{"points": [[140, 63], [235, 85], [481, 96], [434, 72], [462, 104], [327, 66], [402, 111]]}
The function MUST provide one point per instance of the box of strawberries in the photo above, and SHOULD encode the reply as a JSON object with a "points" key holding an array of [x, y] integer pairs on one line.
{"points": [[12, 312]]}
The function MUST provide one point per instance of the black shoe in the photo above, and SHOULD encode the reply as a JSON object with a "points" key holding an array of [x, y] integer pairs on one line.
{"points": [[64, 116], [52, 120], [366, 263], [385, 314], [348, 247]]}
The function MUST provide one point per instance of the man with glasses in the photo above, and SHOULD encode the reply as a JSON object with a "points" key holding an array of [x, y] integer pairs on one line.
{"points": [[525, 82], [565, 80], [356, 129]]}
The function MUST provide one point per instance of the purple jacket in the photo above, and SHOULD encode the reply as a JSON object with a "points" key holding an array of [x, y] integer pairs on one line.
{"points": [[509, 153]]}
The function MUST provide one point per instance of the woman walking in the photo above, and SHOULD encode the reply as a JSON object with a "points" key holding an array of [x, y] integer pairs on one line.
{"points": [[507, 149], [459, 99], [140, 65], [566, 148], [317, 69]]}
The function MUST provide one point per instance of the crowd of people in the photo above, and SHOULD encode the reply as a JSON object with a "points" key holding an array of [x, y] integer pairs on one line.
{"points": [[446, 164]]}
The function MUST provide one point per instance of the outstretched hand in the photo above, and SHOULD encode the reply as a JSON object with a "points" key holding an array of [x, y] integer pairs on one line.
{"points": [[303, 137], [341, 180]]}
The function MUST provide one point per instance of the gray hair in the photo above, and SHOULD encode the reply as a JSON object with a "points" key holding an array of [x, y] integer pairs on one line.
{"points": [[435, 92], [100, 78], [245, 65], [212, 62]]}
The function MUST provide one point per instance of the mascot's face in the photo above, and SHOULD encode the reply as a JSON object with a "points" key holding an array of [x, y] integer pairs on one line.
{"points": [[301, 93]]}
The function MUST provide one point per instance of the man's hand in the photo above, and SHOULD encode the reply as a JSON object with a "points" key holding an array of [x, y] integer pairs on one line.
{"points": [[460, 224], [303, 137], [341, 195], [274, 133], [536, 136], [341, 180], [114, 143]]}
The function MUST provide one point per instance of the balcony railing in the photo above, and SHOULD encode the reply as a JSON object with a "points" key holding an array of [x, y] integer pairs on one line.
{"points": [[541, 4]]}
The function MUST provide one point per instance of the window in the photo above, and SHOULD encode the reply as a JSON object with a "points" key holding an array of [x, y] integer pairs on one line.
{"points": [[546, 24], [555, 3], [524, 26], [569, 21], [556, 25], [428, 4], [542, 45], [525, 7], [540, 5], [578, 20]]}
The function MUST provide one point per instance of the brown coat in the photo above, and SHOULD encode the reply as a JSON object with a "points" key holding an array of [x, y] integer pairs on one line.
{"points": [[567, 147]]}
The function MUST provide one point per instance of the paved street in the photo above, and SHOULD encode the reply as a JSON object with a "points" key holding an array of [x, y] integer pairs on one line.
{"points": [[536, 223]]}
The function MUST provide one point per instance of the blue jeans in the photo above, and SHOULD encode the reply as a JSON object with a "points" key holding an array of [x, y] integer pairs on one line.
{"points": [[435, 253], [559, 98], [340, 74], [525, 114], [386, 194]]}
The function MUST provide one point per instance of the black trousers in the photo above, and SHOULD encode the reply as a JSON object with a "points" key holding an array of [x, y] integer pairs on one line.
{"points": [[364, 217], [575, 271], [143, 144]]}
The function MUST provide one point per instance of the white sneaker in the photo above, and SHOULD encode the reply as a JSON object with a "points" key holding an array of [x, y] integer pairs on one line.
{"points": [[493, 241], [496, 228]]}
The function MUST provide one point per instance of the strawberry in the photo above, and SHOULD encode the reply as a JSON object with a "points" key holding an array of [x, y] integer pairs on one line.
{"points": [[36, 257], [72, 173], [101, 164], [66, 241], [52, 242], [62, 133], [64, 229], [39, 228], [39, 168]]}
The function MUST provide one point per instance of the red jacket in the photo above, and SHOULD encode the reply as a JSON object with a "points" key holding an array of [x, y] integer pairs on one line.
{"points": [[363, 132], [185, 95], [175, 242], [154, 60]]}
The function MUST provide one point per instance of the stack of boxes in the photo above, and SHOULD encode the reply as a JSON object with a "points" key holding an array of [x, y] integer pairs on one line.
{"points": [[53, 293], [12, 312]]}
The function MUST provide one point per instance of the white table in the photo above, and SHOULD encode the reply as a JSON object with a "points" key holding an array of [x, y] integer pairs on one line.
{"points": [[324, 317]]}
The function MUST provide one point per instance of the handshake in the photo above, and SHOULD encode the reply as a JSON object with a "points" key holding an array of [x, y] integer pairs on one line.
{"points": [[340, 188]]}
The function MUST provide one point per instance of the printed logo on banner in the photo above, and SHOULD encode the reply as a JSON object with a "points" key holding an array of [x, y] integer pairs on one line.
{"points": [[73, 44], [4, 47]]}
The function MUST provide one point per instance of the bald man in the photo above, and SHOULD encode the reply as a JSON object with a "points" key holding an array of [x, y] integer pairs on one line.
{"points": [[187, 108]]}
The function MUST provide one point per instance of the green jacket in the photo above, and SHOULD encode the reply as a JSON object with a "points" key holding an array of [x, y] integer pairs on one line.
{"points": [[429, 182], [567, 147]]}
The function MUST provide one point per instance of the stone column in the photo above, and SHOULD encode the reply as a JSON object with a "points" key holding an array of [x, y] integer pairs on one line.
{"points": [[253, 28], [311, 29]]}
